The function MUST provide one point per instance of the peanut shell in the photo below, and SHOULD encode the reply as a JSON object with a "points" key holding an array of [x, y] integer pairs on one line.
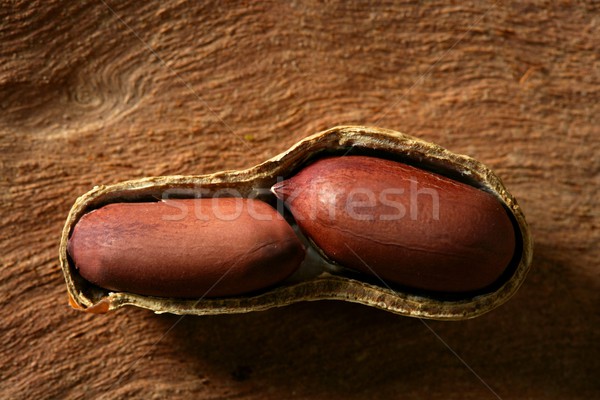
{"points": [[322, 281]]}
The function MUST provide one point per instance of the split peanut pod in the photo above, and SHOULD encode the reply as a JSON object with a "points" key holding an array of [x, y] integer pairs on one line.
{"points": [[385, 219]]}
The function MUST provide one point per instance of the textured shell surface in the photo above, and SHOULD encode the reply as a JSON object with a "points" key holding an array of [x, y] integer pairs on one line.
{"points": [[324, 282]]}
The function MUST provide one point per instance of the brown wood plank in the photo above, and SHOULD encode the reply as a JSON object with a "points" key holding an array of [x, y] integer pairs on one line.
{"points": [[84, 101]]}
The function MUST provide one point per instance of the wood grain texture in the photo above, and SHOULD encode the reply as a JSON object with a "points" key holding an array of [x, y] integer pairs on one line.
{"points": [[95, 93]]}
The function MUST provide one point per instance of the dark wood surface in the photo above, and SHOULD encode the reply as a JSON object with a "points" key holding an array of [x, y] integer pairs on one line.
{"points": [[95, 93]]}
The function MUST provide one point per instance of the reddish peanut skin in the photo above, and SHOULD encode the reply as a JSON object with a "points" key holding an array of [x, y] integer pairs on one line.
{"points": [[381, 217], [185, 248]]}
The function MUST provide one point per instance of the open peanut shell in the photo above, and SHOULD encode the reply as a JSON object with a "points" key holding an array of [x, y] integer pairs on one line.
{"points": [[317, 279]]}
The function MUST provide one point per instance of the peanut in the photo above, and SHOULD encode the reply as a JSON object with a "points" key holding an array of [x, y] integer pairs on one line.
{"points": [[185, 248], [400, 223]]}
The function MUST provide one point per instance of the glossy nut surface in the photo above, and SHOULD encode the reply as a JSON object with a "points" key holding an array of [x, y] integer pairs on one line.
{"points": [[400, 223], [315, 279], [185, 248]]}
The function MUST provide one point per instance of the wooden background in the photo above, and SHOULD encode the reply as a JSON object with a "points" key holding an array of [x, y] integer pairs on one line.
{"points": [[95, 93]]}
